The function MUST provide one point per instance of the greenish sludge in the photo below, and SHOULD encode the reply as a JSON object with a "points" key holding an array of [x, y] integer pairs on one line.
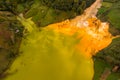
{"points": [[41, 60]]}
